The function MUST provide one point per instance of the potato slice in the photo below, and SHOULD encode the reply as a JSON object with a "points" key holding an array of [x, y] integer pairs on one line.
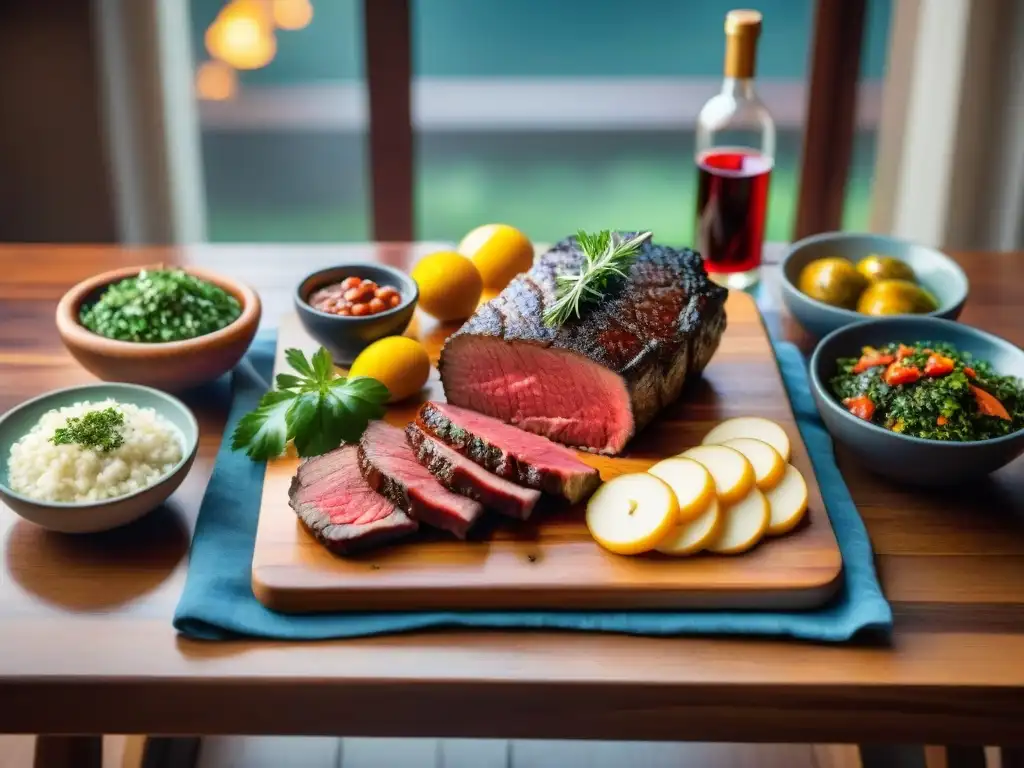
{"points": [[751, 426], [745, 524], [694, 536], [690, 482], [788, 502], [729, 468], [766, 461], [632, 513]]}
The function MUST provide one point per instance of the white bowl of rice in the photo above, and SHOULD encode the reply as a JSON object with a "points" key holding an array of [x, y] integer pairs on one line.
{"points": [[95, 457]]}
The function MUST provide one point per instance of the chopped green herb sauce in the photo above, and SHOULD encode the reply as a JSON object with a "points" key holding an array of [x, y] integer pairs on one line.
{"points": [[939, 406], [160, 306]]}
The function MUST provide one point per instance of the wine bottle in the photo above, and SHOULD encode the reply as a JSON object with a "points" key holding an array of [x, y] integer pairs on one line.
{"points": [[735, 152]]}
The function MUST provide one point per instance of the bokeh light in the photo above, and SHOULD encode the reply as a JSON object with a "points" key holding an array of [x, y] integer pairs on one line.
{"points": [[242, 35], [216, 81], [292, 14]]}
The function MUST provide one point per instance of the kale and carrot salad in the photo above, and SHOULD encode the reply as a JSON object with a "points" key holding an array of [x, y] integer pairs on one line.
{"points": [[930, 390]]}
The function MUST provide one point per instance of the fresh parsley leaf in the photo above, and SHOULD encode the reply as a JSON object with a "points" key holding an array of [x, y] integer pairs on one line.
{"points": [[298, 361], [287, 381], [363, 387], [317, 410], [262, 434], [323, 366], [350, 415], [316, 426], [360, 395]]}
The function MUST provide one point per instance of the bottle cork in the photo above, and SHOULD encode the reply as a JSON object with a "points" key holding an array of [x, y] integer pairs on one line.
{"points": [[742, 28]]}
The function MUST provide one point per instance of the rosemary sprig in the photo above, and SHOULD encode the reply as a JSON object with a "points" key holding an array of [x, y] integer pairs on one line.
{"points": [[605, 255]]}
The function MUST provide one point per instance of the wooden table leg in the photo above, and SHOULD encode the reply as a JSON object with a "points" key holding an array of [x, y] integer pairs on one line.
{"points": [[69, 752], [161, 752], [892, 756], [965, 757]]}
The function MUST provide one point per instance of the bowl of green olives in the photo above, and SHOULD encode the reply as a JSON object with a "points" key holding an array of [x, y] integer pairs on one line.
{"points": [[837, 278]]}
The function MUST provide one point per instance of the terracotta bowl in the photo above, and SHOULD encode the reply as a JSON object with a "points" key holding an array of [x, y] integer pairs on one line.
{"points": [[172, 366]]}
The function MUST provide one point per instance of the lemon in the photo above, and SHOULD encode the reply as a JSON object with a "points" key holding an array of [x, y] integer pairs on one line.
{"points": [[875, 267], [895, 297], [834, 281], [399, 363], [499, 251], [450, 286]]}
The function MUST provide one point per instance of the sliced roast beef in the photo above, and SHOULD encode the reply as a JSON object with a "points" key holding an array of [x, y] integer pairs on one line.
{"points": [[457, 473], [595, 381], [509, 452], [390, 466], [336, 504]]}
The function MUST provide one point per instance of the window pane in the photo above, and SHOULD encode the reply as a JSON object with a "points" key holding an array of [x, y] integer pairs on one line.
{"points": [[553, 118], [556, 116], [284, 153]]}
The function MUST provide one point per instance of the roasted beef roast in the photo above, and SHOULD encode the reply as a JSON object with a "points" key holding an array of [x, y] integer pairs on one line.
{"points": [[339, 508], [595, 381], [509, 452], [390, 466], [458, 473]]}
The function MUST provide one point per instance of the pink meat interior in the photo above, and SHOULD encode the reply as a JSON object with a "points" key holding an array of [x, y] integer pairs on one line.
{"points": [[484, 480], [389, 452], [333, 484], [551, 392], [536, 450]]}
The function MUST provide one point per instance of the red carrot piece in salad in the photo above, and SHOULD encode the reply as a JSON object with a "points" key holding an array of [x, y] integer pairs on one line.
{"points": [[988, 404], [871, 361], [897, 374], [938, 365], [860, 406]]}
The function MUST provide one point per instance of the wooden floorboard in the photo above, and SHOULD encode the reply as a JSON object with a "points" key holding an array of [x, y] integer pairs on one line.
{"points": [[835, 756], [16, 751], [68, 752], [19, 751], [309, 752], [269, 752]]}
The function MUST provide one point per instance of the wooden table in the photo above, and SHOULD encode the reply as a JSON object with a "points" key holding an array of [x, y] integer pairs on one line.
{"points": [[86, 643]]}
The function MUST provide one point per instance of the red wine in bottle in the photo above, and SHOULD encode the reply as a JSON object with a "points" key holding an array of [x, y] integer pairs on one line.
{"points": [[732, 203]]}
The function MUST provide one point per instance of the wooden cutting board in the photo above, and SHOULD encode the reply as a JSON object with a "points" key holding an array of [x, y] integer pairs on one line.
{"points": [[550, 561]]}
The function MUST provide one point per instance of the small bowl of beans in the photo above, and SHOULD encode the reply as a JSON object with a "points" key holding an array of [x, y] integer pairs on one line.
{"points": [[348, 307], [355, 297]]}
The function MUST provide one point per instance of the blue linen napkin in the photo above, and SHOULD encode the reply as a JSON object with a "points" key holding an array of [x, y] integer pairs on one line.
{"points": [[218, 604]]}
